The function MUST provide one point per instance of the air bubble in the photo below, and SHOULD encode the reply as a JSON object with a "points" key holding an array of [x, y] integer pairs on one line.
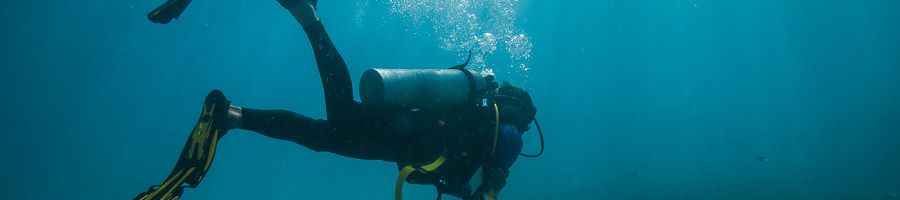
{"points": [[480, 26]]}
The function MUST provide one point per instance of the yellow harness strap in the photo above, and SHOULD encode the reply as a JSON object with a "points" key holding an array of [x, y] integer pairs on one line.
{"points": [[491, 194], [496, 129], [409, 169]]}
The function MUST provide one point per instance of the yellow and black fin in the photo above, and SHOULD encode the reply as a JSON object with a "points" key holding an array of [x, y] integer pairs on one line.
{"points": [[198, 151]]}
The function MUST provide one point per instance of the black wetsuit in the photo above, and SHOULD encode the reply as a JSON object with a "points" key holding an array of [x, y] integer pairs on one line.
{"points": [[462, 135]]}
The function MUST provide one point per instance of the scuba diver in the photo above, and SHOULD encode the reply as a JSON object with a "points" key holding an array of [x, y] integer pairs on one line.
{"points": [[453, 128]]}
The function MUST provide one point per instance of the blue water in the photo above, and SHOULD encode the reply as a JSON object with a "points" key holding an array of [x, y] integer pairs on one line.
{"points": [[688, 99]]}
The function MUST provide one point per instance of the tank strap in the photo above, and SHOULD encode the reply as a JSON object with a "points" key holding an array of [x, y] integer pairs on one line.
{"points": [[409, 169], [473, 90], [469, 76]]}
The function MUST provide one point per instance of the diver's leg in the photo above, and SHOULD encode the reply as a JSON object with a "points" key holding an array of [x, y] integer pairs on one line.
{"points": [[339, 103], [287, 125], [358, 141], [351, 129]]}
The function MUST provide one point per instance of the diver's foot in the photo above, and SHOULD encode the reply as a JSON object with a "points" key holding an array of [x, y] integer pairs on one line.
{"points": [[304, 11], [291, 4], [198, 151]]}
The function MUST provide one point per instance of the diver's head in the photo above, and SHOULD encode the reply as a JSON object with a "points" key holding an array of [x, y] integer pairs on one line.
{"points": [[516, 107]]}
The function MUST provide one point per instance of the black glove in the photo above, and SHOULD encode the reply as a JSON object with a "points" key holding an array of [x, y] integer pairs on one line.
{"points": [[496, 178]]}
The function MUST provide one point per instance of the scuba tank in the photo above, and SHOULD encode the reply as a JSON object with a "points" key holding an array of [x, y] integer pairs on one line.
{"points": [[421, 88]]}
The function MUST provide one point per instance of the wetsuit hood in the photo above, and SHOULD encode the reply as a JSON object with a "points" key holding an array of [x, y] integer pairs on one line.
{"points": [[516, 106]]}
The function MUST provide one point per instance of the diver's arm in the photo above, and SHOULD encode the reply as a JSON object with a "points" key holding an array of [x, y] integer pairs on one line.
{"points": [[494, 181], [496, 170]]}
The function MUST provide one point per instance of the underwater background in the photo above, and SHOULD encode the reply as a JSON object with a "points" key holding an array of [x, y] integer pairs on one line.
{"points": [[639, 99]]}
